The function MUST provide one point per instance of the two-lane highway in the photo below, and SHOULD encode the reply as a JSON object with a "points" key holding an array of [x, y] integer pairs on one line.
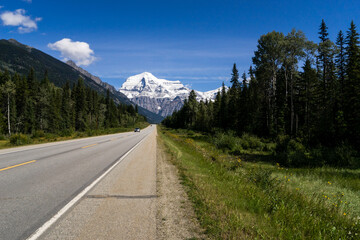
{"points": [[36, 182]]}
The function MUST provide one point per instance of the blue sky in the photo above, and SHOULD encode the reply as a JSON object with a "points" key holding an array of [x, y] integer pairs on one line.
{"points": [[193, 41]]}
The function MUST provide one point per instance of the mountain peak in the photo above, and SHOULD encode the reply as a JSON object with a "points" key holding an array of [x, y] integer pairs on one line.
{"points": [[160, 96], [147, 75], [71, 63], [146, 84]]}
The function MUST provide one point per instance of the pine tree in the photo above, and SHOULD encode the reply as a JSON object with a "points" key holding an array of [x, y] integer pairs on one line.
{"points": [[21, 97], [352, 85], [308, 105], [340, 60], [244, 108], [327, 87], [233, 95], [8, 89], [66, 108], [80, 106]]}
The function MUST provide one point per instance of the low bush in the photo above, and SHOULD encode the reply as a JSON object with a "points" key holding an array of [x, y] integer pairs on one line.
{"points": [[251, 142], [224, 141], [346, 156], [66, 133], [291, 152], [20, 139], [38, 134], [228, 141]]}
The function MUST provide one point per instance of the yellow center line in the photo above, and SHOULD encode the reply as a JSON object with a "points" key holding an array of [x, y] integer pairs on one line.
{"points": [[113, 139], [3, 169], [90, 145]]}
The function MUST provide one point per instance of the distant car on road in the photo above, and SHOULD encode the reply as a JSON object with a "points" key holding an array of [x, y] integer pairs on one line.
{"points": [[137, 130]]}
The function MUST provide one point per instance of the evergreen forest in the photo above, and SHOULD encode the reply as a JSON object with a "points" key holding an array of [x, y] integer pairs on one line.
{"points": [[304, 96], [35, 107]]}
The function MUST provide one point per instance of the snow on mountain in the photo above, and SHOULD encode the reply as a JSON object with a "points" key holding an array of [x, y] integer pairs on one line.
{"points": [[147, 85], [160, 96]]}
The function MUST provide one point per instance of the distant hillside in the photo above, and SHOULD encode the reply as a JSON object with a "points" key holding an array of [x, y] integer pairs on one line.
{"points": [[17, 57]]}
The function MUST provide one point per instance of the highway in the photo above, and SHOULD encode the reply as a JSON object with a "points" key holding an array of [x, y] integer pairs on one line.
{"points": [[37, 181]]}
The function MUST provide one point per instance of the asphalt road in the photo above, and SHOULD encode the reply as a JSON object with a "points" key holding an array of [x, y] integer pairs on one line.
{"points": [[37, 181]]}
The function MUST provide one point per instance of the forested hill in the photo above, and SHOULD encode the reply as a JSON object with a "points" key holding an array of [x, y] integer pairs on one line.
{"points": [[19, 58]]}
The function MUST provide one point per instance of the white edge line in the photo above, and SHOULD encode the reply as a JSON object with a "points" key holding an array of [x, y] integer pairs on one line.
{"points": [[52, 220]]}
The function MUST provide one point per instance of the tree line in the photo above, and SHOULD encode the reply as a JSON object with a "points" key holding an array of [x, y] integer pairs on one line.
{"points": [[28, 105], [295, 87]]}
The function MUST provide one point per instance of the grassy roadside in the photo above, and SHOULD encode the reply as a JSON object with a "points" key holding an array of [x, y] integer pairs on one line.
{"points": [[41, 137], [235, 199]]}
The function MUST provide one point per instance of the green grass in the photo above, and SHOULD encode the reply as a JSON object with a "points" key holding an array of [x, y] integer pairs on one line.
{"points": [[237, 199], [50, 137]]}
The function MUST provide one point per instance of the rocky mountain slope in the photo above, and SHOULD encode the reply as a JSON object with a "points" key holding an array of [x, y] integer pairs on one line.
{"points": [[17, 57], [92, 77], [160, 96]]}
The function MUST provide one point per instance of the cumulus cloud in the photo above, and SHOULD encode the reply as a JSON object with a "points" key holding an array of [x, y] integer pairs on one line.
{"points": [[18, 18], [79, 52]]}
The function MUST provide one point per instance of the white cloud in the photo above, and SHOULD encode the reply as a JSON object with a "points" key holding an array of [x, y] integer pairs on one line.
{"points": [[1, 7], [79, 52], [18, 18], [28, 1]]}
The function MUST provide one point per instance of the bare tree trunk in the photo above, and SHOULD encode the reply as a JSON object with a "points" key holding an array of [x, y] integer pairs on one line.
{"points": [[286, 84], [292, 104]]}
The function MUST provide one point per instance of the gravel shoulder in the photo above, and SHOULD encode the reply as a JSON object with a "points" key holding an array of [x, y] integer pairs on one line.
{"points": [[175, 215]]}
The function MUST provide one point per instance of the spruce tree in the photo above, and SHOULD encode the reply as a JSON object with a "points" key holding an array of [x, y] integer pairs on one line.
{"points": [[340, 60], [352, 85], [8, 89], [234, 95]]}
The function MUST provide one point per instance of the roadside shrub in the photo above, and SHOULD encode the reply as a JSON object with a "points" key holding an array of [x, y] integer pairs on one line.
{"points": [[224, 141], [342, 155], [291, 152], [19, 139], [282, 142], [38, 134], [66, 133], [51, 136], [296, 156], [269, 147], [345, 155], [251, 142], [191, 133], [2, 137], [317, 158]]}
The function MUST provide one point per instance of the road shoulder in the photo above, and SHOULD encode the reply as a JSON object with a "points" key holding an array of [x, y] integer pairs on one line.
{"points": [[175, 215], [121, 206], [141, 198]]}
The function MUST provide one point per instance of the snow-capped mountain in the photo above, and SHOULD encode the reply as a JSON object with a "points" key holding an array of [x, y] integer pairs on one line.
{"points": [[160, 96]]}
